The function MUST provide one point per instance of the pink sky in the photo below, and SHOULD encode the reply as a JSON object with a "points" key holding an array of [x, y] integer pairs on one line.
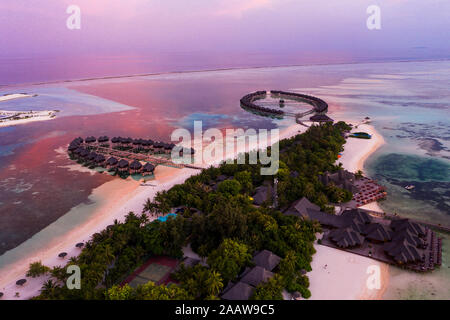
{"points": [[32, 28]]}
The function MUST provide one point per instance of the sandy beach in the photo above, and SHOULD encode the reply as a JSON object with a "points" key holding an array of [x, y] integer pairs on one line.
{"points": [[340, 275], [32, 117], [12, 96]]}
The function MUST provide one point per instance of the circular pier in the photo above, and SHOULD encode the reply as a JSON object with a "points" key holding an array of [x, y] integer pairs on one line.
{"points": [[318, 107]]}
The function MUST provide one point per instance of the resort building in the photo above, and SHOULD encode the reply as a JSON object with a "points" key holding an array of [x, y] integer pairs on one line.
{"points": [[401, 242], [265, 262]]}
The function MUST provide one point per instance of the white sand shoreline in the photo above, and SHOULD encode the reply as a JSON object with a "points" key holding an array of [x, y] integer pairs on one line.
{"points": [[12, 96], [25, 117]]}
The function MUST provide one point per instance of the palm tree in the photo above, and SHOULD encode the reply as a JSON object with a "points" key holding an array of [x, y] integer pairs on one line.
{"points": [[214, 283], [148, 206], [49, 286]]}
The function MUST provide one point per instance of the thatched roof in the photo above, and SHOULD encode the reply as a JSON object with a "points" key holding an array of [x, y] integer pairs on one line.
{"points": [[148, 167], [112, 161], [100, 158], [299, 208], [135, 165], [414, 227], [346, 237], [257, 275], [266, 259], [90, 139], [92, 156], [320, 118], [358, 215], [326, 219], [377, 232], [123, 164], [412, 238], [103, 139], [403, 252], [240, 291], [84, 153]]}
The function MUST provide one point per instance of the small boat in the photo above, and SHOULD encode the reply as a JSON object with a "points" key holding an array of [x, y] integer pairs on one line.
{"points": [[410, 187]]}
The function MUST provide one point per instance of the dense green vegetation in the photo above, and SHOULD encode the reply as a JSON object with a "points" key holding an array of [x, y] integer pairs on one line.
{"points": [[226, 229]]}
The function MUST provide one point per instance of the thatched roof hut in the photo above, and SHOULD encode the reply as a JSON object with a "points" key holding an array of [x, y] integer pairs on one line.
{"points": [[92, 156], [84, 153], [402, 252], [240, 291], [266, 259], [320, 118], [123, 164], [346, 237], [100, 158], [148, 168], [377, 232], [90, 139], [112, 161], [135, 165], [256, 276]]}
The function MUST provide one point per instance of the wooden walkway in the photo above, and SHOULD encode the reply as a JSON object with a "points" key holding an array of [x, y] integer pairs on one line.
{"points": [[143, 157]]}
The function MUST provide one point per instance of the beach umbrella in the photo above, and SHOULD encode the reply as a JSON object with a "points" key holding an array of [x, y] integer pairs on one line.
{"points": [[62, 255], [21, 282], [79, 245]]}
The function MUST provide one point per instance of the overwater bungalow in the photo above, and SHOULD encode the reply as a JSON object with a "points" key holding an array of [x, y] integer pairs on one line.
{"points": [[238, 291], [103, 141], [148, 169], [91, 156], [84, 154], [403, 252], [135, 166], [123, 165], [100, 159], [137, 144], [111, 162], [115, 141], [90, 139], [377, 232]]}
